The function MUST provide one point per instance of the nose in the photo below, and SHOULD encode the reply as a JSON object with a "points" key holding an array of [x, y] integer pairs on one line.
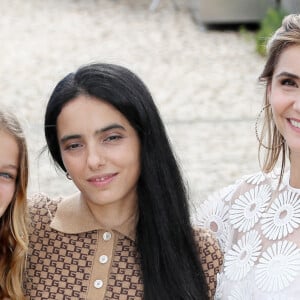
{"points": [[95, 157]]}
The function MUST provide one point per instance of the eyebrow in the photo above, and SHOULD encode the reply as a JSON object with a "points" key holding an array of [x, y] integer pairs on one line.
{"points": [[110, 127], [287, 74], [98, 131], [10, 166]]}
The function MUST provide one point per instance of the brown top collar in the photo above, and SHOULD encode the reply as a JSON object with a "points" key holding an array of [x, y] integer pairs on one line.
{"points": [[74, 216]]}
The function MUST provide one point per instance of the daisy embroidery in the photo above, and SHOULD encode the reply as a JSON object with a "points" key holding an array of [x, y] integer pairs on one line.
{"points": [[242, 291], [276, 297], [278, 266], [249, 207], [220, 286], [282, 217], [227, 192], [214, 215], [255, 178], [274, 177], [242, 256]]}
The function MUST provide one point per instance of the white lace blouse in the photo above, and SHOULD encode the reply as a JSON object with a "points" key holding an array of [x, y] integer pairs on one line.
{"points": [[257, 225]]}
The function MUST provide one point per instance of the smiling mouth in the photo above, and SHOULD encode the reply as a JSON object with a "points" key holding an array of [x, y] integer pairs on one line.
{"points": [[102, 179], [295, 123]]}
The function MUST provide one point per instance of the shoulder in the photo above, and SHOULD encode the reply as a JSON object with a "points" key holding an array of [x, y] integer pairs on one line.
{"points": [[210, 255], [219, 208], [42, 207], [208, 246], [42, 201]]}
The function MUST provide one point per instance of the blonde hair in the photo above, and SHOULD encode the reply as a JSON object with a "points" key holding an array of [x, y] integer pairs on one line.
{"points": [[13, 230], [274, 144]]}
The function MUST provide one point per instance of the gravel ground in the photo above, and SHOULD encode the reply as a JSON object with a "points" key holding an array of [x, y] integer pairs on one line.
{"points": [[203, 81]]}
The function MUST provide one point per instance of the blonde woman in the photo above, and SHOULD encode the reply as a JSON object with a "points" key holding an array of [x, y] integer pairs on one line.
{"points": [[13, 185], [257, 219]]}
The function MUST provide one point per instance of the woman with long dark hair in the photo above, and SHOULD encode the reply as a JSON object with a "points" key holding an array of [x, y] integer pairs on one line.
{"points": [[127, 233]]}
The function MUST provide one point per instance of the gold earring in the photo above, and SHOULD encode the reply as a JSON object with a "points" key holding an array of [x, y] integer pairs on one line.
{"points": [[256, 131]]}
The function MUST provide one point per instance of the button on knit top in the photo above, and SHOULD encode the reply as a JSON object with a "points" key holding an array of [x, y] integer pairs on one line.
{"points": [[72, 257]]}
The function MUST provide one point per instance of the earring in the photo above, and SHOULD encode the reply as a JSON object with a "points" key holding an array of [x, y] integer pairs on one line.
{"points": [[68, 176], [256, 130]]}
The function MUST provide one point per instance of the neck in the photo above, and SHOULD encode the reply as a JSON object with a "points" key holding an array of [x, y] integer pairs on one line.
{"points": [[112, 215], [295, 170]]}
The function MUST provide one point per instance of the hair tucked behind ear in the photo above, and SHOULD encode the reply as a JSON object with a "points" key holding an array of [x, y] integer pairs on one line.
{"points": [[169, 260], [287, 35], [13, 230]]}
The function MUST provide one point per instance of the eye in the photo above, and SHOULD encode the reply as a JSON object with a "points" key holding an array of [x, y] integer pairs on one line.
{"points": [[73, 146], [288, 82], [113, 138], [7, 176]]}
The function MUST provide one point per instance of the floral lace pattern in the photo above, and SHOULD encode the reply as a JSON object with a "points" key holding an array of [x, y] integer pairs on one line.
{"points": [[278, 266], [241, 291], [282, 217], [214, 215], [242, 256], [257, 223], [248, 208]]}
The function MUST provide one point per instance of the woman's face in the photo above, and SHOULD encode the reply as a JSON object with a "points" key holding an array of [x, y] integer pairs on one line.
{"points": [[284, 96], [101, 152], [9, 165]]}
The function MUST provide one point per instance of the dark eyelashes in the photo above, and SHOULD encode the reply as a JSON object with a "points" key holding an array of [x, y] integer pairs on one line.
{"points": [[6, 175], [111, 138], [288, 82]]}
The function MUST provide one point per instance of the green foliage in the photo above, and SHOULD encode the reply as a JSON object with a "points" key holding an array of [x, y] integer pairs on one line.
{"points": [[246, 33], [269, 24]]}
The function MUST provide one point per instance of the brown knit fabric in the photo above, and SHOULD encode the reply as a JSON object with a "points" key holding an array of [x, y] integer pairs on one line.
{"points": [[211, 257], [125, 281], [59, 265], [66, 266]]}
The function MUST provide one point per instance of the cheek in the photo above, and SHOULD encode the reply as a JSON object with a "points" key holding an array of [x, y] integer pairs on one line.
{"points": [[277, 110], [128, 160], [277, 103], [6, 193], [71, 162], [65, 160], [134, 164]]}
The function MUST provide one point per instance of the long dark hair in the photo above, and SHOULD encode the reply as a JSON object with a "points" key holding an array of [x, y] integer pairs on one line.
{"points": [[170, 263]]}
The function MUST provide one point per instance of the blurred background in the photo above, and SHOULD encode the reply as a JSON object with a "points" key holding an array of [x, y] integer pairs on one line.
{"points": [[200, 59]]}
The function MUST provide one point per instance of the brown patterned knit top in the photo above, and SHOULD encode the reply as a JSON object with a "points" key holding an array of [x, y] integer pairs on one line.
{"points": [[72, 257]]}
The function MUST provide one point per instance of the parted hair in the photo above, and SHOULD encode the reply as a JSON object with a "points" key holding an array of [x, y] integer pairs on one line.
{"points": [[285, 36], [170, 264], [13, 230]]}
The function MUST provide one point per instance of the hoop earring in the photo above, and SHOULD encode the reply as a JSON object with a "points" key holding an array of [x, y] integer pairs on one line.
{"points": [[68, 176], [256, 131]]}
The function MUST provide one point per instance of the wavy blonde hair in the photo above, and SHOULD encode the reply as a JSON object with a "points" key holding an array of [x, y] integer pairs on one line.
{"points": [[274, 144], [13, 229]]}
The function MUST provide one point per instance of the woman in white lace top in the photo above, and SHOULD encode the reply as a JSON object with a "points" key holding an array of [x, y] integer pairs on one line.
{"points": [[257, 219]]}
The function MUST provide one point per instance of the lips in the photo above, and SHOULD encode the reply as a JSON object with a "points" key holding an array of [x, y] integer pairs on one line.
{"points": [[295, 123], [102, 180]]}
